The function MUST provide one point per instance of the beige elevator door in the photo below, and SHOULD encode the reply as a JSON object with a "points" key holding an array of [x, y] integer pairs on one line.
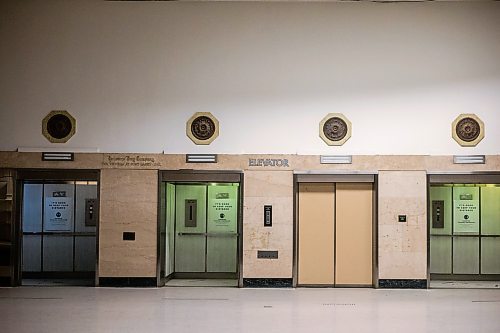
{"points": [[353, 224], [316, 233], [335, 234]]}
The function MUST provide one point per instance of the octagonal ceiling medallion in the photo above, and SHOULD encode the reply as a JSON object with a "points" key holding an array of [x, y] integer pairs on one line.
{"points": [[58, 126], [335, 129], [467, 129], [202, 128]]}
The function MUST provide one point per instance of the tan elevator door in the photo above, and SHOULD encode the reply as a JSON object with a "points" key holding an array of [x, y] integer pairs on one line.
{"points": [[316, 233], [353, 224]]}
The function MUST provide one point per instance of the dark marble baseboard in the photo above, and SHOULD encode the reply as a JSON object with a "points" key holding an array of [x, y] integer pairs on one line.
{"points": [[5, 282], [402, 284], [127, 282], [267, 283]]}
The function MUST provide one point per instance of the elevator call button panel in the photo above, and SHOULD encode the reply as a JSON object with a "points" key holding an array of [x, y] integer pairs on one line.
{"points": [[268, 216]]}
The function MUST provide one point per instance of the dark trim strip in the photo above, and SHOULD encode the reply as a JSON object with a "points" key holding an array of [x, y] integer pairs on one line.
{"points": [[58, 174], [403, 283], [228, 176], [127, 281], [267, 283]]}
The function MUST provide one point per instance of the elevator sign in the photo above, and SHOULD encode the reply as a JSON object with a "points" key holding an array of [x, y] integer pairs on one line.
{"points": [[466, 216], [58, 214]]}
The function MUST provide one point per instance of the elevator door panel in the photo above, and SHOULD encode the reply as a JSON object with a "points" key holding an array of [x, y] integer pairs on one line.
{"points": [[32, 253], [490, 211], [57, 253], [353, 230], [83, 193], [440, 248], [465, 255], [190, 220], [222, 232], [490, 255], [441, 213], [32, 207], [316, 233]]}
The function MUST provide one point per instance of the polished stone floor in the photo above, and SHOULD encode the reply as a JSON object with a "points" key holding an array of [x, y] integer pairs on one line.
{"points": [[201, 309]]}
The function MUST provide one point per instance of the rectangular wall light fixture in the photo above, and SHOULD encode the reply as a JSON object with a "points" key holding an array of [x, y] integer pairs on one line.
{"points": [[335, 159], [201, 158], [469, 159], [58, 157]]}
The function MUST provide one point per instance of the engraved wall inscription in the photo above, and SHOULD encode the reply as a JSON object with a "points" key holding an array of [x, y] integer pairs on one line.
{"points": [[265, 162], [129, 161]]}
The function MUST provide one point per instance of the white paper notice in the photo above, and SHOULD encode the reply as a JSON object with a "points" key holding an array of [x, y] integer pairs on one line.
{"points": [[466, 216], [58, 214]]}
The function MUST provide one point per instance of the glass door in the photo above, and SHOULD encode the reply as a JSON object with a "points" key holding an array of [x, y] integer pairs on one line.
{"points": [[58, 221], [201, 229], [222, 228], [190, 228], [464, 231]]}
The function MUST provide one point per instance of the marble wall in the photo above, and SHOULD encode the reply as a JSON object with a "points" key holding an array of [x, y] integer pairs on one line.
{"points": [[129, 203], [402, 246], [129, 200], [268, 188]]}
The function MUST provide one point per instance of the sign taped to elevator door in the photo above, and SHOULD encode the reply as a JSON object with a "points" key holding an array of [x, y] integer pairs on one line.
{"points": [[58, 214], [466, 216], [222, 212]]}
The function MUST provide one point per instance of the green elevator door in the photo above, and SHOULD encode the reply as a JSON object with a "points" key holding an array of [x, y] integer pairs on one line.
{"points": [[222, 232], [465, 231], [191, 228], [206, 232]]}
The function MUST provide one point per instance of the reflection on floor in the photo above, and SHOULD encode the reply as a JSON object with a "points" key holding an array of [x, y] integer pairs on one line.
{"points": [[58, 282], [465, 284], [221, 310], [202, 283]]}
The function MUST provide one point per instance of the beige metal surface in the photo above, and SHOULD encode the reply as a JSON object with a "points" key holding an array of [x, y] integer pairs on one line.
{"points": [[316, 234], [353, 244]]}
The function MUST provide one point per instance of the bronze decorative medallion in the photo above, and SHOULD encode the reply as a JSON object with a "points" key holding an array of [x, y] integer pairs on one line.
{"points": [[58, 126], [468, 129], [203, 128], [335, 129]]}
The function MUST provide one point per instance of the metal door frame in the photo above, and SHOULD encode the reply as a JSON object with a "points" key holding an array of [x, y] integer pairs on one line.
{"points": [[44, 176], [200, 176], [337, 177], [474, 177], [13, 226]]}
